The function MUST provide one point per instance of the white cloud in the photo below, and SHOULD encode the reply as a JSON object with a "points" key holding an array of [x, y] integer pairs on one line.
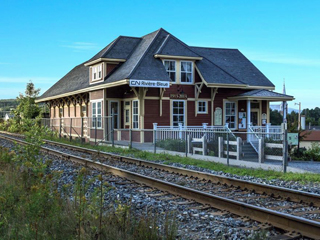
{"points": [[26, 79], [81, 45], [282, 59]]}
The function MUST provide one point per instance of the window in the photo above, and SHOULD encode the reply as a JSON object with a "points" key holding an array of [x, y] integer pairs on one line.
{"points": [[96, 72], [202, 107], [127, 113], [178, 113], [127, 118], [99, 71], [186, 72], [135, 114], [96, 114], [170, 67], [230, 114]]}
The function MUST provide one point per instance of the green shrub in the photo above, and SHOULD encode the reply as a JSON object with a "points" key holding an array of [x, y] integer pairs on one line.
{"points": [[172, 145], [313, 153]]}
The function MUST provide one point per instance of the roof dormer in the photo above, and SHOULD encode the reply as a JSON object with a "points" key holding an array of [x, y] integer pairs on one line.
{"points": [[100, 68]]}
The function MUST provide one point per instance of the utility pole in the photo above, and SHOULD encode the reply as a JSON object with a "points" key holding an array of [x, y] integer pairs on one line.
{"points": [[299, 117]]}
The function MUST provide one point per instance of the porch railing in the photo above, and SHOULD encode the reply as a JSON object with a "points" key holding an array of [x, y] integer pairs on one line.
{"points": [[269, 132], [178, 132]]}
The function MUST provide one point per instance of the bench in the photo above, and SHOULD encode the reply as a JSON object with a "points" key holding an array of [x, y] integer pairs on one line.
{"points": [[203, 142]]}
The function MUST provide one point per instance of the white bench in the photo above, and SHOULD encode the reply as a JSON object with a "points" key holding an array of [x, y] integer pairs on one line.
{"points": [[203, 142]]}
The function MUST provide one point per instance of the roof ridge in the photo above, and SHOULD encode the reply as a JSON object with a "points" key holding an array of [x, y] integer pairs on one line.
{"points": [[143, 55], [129, 36], [152, 32], [215, 48], [164, 43], [177, 39]]}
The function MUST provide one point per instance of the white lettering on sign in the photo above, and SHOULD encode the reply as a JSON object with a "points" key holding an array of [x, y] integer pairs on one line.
{"points": [[148, 83]]}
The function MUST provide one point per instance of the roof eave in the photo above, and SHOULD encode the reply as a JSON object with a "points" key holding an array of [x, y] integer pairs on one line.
{"points": [[117, 60], [177, 57], [88, 89], [261, 87], [270, 99], [222, 85]]}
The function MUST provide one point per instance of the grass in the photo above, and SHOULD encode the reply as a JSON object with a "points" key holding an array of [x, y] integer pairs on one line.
{"points": [[32, 207], [167, 158]]}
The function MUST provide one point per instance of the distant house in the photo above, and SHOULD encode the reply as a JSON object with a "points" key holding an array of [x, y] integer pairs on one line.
{"points": [[8, 116], [314, 128], [309, 137]]}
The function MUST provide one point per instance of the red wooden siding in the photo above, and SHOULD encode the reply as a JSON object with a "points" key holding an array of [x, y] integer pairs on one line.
{"points": [[152, 113]]}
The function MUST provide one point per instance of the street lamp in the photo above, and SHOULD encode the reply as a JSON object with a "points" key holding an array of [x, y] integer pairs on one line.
{"points": [[299, 121]]}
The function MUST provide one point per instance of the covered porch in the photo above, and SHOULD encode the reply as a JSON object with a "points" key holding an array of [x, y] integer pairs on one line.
{"points": [[253, 110]]}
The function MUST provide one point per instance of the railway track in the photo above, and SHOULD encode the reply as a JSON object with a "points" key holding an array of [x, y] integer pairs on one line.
{"points": [[209, 190]]}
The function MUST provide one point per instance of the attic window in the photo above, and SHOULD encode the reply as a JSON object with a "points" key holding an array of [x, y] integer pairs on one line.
{"points": [[170, 67], [96, 72], [186, 72]]}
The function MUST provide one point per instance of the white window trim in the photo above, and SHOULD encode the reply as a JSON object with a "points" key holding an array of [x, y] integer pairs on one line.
{"points": [[133, 114], [236, 113], [125, 108], [192, 73], [185, 111], [91, 106], [206, 107], [175, 67], [97, 79]]}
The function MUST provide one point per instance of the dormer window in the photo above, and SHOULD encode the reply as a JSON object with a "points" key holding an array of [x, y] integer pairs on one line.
{"points": [[96, 72], [186, 72], [170, 67]]}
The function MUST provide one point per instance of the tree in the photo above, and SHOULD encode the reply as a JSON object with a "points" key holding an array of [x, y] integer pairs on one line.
{"points": [[275, 117], [27, 107]]}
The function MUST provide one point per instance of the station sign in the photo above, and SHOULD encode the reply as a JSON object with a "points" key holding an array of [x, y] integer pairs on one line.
{"points": [[148, 83], [178, 96]]}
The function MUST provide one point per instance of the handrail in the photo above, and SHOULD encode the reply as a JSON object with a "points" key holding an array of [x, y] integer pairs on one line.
{"points": [[253, 136], [229, 131]]}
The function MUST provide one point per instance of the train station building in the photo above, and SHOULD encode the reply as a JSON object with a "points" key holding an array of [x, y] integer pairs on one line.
{"points": [[159, 79]]}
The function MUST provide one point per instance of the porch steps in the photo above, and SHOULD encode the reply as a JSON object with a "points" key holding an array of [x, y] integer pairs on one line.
{"points": [[249, 154]]}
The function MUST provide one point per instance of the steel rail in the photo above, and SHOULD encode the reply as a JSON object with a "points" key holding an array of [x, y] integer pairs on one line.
{"points": [[286, 193], [305, 227]]}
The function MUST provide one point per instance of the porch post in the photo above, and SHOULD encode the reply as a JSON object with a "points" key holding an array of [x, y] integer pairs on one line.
{"points": [[180, 131], [248, 113], [155, 125], [248, 117]]}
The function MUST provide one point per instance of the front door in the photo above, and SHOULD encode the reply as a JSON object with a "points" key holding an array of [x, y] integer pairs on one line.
{"points": [[115, 110], [254, 118], [178, 112]]}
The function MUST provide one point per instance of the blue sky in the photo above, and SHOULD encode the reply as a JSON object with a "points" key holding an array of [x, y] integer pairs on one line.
{"points": [[43, 40]]}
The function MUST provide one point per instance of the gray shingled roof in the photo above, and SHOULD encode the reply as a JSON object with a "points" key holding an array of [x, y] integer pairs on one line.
{"points": [[234, 63], [77, 78], [141, 64], [220, 66], [263, 93], [174, 47], [119, 48]]}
